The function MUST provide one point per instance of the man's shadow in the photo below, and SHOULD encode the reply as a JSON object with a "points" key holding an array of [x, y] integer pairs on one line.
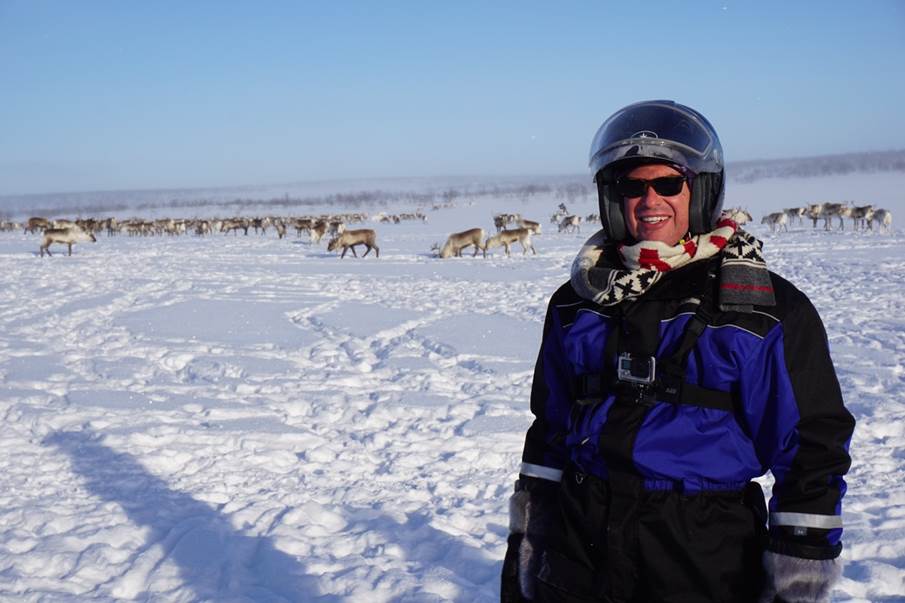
{"points": [[215, 560]]}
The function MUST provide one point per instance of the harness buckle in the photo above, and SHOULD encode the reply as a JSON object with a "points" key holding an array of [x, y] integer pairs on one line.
{"points": [[641, 370]]}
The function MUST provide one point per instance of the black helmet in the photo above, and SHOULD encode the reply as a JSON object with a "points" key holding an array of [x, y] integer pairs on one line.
{"points": [[659, 131]]}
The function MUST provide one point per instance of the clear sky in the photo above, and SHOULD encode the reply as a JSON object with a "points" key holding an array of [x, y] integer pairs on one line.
{"points": [[99, 95]]}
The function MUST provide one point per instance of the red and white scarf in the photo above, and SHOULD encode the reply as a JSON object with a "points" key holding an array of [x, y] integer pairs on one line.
{"points": [[656, 255], [744, 279]]}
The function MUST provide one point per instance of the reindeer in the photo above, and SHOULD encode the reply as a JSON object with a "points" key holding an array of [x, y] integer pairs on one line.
{"points": [[507, 237], [336, 227], [350, 238], [570, 224], [883, 218], [458, 241], [35, 224], [501, 221], [795, 212], [831, 210], [70, 235], [776, 220], [738, 215], [861, 216], [234, 225], [814, 212], [531, 225], [318, 231]]}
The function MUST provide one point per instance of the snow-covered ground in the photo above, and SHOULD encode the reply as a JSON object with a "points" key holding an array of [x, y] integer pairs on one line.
{"points": [[235, 418]]}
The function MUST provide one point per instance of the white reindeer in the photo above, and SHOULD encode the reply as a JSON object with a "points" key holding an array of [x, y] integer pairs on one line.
{"points": [[776, 220], [507, 237], [737, 215], [570, 224], [458, 241], [67, 236], [883, 218], [350, 238], [318, 231]]}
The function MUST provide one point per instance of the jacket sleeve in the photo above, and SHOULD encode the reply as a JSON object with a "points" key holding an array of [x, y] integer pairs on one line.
{"points": [[801, 431], [545, 454]]}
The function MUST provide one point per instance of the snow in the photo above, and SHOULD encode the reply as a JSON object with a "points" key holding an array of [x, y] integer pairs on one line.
{"points": [[234, 418]]}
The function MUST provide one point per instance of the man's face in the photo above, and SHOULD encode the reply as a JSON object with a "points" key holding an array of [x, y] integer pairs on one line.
{"points": [[652, 216]]}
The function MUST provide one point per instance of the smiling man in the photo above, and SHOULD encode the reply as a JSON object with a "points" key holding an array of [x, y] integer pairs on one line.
{"points": [[656, 203], [674, 369]]}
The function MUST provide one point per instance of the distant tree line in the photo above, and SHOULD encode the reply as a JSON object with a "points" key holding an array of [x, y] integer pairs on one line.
{"points": [[810, 167], [568, 189]]}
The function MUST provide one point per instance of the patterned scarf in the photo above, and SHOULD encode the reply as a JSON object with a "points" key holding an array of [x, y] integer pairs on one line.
{"points": [[608, 273]]}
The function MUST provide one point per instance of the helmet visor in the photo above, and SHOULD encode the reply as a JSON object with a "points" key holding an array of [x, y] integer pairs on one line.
{"points": [[652, 125]]}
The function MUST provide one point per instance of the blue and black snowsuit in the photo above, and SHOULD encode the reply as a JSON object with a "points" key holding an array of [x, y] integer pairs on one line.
{"points": [[653, 479]]}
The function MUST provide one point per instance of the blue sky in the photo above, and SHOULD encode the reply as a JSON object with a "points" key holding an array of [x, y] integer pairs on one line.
{"points": [[101, 95]]}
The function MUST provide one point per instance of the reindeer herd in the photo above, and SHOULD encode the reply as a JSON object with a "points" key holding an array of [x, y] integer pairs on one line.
{"points": [[510, 228], [862, 217]]}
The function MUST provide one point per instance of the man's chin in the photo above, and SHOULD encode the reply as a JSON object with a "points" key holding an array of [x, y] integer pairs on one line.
{"points": [[664, 234]]}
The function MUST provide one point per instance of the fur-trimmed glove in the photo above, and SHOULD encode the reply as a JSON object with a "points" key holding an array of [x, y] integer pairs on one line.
{"points": [[797, 580], [532, 509]]}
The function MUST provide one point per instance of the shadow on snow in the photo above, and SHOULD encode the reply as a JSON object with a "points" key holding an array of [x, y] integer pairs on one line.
{"points": [[216, 561]]}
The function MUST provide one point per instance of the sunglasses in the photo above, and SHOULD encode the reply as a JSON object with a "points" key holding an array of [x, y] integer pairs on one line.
{"points": [[667, 186]]}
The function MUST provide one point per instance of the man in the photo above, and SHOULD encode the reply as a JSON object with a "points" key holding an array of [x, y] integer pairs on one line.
{"points": [[674, 369]]}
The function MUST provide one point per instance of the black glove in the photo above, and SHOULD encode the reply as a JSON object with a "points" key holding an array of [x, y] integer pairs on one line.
{"points": [[532, 510], [797, 580]]}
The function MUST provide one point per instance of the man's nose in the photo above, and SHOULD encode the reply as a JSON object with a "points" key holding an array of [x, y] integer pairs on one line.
{"points": [[650, 196]]}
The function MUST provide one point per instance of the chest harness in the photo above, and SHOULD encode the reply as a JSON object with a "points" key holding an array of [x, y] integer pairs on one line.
{"points": [[645, 379]]}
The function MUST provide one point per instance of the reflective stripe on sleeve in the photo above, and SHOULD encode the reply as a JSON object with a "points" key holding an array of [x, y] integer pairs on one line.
{"points": [[806, 520], [548, 473]]}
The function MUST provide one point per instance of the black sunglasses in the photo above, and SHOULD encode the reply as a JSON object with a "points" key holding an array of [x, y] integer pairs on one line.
{"points": [[667, 186]]}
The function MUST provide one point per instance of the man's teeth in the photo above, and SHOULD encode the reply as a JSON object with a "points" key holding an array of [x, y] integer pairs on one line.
{"points": [[653, 219]]}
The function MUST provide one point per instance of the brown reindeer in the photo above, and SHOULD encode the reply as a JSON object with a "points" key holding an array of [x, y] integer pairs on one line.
{"points": [[68, 236], [458, 241], [531, 225], [35, 224], [350, 238], [507, 237]]}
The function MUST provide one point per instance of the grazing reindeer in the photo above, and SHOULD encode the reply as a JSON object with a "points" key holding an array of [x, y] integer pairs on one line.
{"points": [[507, 237], [570, 224], [531, 225], [776, 220], [458, 241], [883, 218], [234, 225], [350, 238], [70, 235]]}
